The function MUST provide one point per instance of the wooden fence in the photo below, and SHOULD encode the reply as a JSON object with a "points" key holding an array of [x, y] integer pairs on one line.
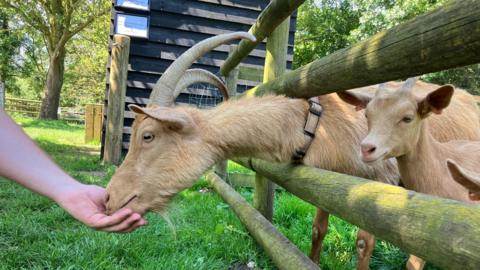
{"points": [[31, 108], [25, 107]]}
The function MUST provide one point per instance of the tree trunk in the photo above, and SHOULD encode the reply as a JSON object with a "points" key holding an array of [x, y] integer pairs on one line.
{"points": [[53, 86]]}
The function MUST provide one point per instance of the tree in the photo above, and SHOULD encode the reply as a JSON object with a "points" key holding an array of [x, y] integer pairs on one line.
{"points": [[57, 21], [323, 27], [9, 46]]}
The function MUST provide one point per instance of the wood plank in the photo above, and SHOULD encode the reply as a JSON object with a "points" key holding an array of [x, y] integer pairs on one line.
{"points": [[173, 21], [97, 122], [89, 123], [205, 10], [246, 4], [250, 73]]}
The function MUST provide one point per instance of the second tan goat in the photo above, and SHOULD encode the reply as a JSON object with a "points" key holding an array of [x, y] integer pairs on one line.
{"points": [[397, 127]]}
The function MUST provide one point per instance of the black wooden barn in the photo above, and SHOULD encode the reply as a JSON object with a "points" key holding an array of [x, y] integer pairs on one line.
{"points": [[173, 27]]}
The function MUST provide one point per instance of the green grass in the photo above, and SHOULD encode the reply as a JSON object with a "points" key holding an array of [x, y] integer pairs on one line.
{"points": [[36, 234]]}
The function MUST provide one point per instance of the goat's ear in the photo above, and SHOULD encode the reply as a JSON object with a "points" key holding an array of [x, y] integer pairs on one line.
{"points": [[176, 120], [466, 178], [436, 100], [357, 99]]}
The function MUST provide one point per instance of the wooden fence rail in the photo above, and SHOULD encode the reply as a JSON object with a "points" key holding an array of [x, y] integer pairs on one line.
{"points": [[283, 253], [445, 38], [441, 231], [23, 106]]}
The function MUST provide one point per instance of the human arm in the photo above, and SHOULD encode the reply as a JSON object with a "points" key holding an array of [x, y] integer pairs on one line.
{"points": [[22, 161]]}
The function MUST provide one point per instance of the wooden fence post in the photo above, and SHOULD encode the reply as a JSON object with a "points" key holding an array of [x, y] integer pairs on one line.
{"points": [[116, 99], [97, 122], [221, 168], [89, 122], [275, 65], [93, 122], [2, 95]]}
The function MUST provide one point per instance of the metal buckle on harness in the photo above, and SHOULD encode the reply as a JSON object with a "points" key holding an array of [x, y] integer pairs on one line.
{"points": [[315, 108]]}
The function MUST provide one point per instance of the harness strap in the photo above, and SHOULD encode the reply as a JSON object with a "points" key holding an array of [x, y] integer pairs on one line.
{"points": [[313, 118]]}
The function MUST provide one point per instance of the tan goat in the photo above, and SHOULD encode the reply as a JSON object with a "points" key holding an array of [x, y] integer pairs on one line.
{"points": [[397, 127], [171, 147]]}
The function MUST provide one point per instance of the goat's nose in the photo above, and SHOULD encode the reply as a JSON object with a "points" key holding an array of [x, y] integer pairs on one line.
{"points": [[367, 149]]}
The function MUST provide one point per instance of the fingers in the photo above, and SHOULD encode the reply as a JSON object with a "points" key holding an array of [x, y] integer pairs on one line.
{"points": [[104, 221], [137, 224], [129, 224]]}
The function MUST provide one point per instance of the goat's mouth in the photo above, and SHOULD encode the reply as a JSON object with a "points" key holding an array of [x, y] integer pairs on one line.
{"points": [[372, 159], [128, 201]]}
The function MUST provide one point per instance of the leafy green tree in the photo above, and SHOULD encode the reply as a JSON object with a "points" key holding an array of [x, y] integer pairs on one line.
{"points": [[85, 72], [10, 43], [58, 21], [323, 27]]}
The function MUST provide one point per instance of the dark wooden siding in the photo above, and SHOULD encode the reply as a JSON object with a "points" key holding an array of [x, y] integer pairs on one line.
{"points": [[174, 27]]}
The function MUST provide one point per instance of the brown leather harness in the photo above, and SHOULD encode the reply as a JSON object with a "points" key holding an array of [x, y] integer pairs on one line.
{"points": [[311, 124]]}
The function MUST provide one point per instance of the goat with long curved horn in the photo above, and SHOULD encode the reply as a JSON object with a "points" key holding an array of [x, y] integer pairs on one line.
{"points": [[163, 91]]}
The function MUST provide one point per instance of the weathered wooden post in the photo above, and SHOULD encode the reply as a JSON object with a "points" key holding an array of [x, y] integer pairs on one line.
{"points": [[282, 252], [2, 95], [275, 65], [93, 122], [221, 168], [89, 123], [116, 99]]}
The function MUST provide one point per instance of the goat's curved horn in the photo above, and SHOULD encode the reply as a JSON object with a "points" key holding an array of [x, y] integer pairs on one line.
{"points": [[163, 91], [196, 75]]}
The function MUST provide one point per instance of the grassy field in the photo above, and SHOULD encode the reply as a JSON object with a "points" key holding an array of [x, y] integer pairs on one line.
{"points": [[37, 234]]}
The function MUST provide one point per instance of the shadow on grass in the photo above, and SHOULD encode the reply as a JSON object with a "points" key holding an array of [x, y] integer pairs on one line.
{"points": [[51, 124], [73, 158]]}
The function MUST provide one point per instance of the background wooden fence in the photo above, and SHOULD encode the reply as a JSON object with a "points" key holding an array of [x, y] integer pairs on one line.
{"points": [[25, 107], [92, 115]]}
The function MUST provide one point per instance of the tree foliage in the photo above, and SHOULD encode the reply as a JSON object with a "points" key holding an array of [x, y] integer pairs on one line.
{"points": [[325, 26], [57, 21], [10, 42]]}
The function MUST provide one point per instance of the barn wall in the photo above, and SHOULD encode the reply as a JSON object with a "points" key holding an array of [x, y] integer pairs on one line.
{"points": [[174, 27]]}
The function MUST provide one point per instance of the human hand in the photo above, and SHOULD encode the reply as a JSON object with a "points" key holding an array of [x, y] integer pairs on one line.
{"points": [[86, 204]]}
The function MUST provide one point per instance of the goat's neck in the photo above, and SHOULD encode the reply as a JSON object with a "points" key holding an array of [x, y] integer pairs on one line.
{"points": [[268, 127], [424, 168]]}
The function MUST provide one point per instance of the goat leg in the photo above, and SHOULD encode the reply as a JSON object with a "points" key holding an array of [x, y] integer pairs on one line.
{"points": [[365, 244], [415, 263], [319, 230]]}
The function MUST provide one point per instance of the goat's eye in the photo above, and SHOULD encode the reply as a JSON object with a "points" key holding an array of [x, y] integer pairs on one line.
{"points": [[407, 119], [148, 137]]}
